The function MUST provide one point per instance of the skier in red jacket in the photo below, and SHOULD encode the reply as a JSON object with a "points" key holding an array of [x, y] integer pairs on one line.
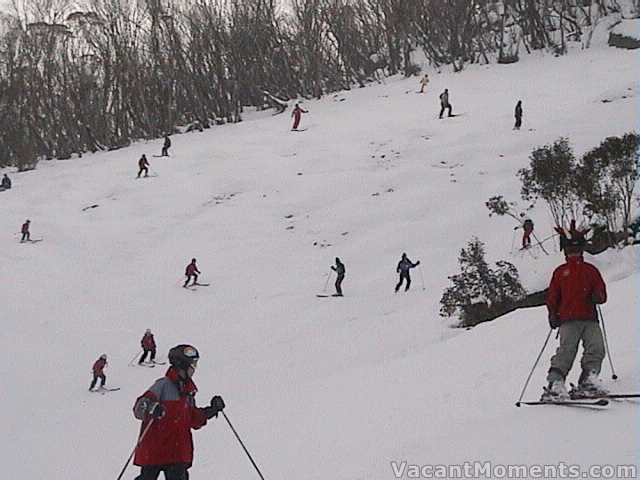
{"points": [[148, 347], [575, 290], [297, 116], [191, 271], [26, 236], [527, 230], [98, 371], [168, 412]]}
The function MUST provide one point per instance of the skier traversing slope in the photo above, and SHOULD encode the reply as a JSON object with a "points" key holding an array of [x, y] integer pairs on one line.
{"points": [[404, 265]]}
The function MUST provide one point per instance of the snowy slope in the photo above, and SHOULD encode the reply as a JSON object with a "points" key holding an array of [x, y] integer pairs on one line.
{"points": [[319, 388]]}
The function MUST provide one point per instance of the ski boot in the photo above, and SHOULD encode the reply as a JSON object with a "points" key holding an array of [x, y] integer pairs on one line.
{"points": [[589, 386], [555, 392]]}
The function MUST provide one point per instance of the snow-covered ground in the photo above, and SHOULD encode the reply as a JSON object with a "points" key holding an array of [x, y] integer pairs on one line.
{"points": [[318, 388]]}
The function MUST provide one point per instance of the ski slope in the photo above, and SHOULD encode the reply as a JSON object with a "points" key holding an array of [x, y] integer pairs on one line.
{"points": [[319, 388]]}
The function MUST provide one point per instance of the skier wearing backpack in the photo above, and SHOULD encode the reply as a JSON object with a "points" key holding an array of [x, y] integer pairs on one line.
{"points": [[297, 116], [168, 413], [404, 265], [148, 344], [576, 288], [444, 103], [143, 166], [340, 272], [98, 372], [527, 230], [191, 272]]}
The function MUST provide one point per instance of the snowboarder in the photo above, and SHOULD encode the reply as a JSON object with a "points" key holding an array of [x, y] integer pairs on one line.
{"points": [[444, 103], [297, 115], [168, 412], [148, 347], [143, 164], [191, 271], [166, 146], [518, 115], [575, 290], [340, 271], [527, 230], [26, 235], [6, 183], [404, 265], [98, 371], [424, 82]]}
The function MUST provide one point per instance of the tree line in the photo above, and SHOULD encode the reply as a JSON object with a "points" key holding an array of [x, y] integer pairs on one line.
{"points": [[76, 80]]}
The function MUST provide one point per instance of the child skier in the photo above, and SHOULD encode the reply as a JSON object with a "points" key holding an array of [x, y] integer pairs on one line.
{"points": [[297, 116], [98, 372], [191, 272], [148, 344], [168, 413]]}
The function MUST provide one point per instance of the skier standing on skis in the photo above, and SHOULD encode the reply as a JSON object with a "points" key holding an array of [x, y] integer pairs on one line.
{"points": [[191, 272], [148, 344], [297, 116], [340, 272], [166, 146], [404, 265], [424, 82], [444, 103], [98, 371], [575, 290], [527, 227], [26, 235], [143, 166], [518, 115], [168, 412]]}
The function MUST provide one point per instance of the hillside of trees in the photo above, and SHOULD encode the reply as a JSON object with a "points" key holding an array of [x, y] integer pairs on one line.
{"points": [[76, 80]]}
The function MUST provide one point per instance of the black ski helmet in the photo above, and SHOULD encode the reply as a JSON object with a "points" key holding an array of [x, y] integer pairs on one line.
{"points": [[183, 356]]}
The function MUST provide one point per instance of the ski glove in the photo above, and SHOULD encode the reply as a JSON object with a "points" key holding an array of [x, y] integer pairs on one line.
{"points": [[217, 405], [553, 321], [156, 410]]}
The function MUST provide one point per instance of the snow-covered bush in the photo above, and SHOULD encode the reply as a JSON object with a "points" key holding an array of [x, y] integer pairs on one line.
{"points": [[479, 293]]}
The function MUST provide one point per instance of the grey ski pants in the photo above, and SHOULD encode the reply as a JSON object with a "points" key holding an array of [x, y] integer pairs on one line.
{"points": [[571, 333]]}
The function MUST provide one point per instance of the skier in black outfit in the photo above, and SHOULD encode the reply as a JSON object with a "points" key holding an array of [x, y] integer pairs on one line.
{"points": [[444, 103], [6, 183], [340, 271], [518, 115], [166, 146], [404, 265]]}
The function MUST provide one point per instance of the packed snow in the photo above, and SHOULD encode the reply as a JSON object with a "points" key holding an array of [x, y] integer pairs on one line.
{"points": [[318, 388]]}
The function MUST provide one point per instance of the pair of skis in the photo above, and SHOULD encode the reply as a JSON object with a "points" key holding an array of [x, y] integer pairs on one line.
{"points": [[104, 390], [597, 402], [193, 286]]}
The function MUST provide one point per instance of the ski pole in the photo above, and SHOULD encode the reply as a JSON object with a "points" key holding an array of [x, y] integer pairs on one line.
{"points": [[134, 357], [539, 243], [513, 240], [606, 344], [526, 384], [144, 432], [242, 444], [326, 284]]}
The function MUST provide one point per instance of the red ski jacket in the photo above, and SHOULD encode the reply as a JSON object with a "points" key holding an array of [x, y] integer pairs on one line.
{"points": [[98, 367], [169, 440], [191, 269], [575, 288], [147, 342]]}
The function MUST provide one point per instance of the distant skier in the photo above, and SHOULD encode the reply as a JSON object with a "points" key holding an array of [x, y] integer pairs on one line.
{"points": [[26, 235], [166, 146], [444, 103], [297, 116], [518, 115], [403, 269], [527, 230], [191, 272], [98, 371], [575, 290], [6, 183], [424, 82], [148, 344], [143, 166], [168, 413], [340, 272]]}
